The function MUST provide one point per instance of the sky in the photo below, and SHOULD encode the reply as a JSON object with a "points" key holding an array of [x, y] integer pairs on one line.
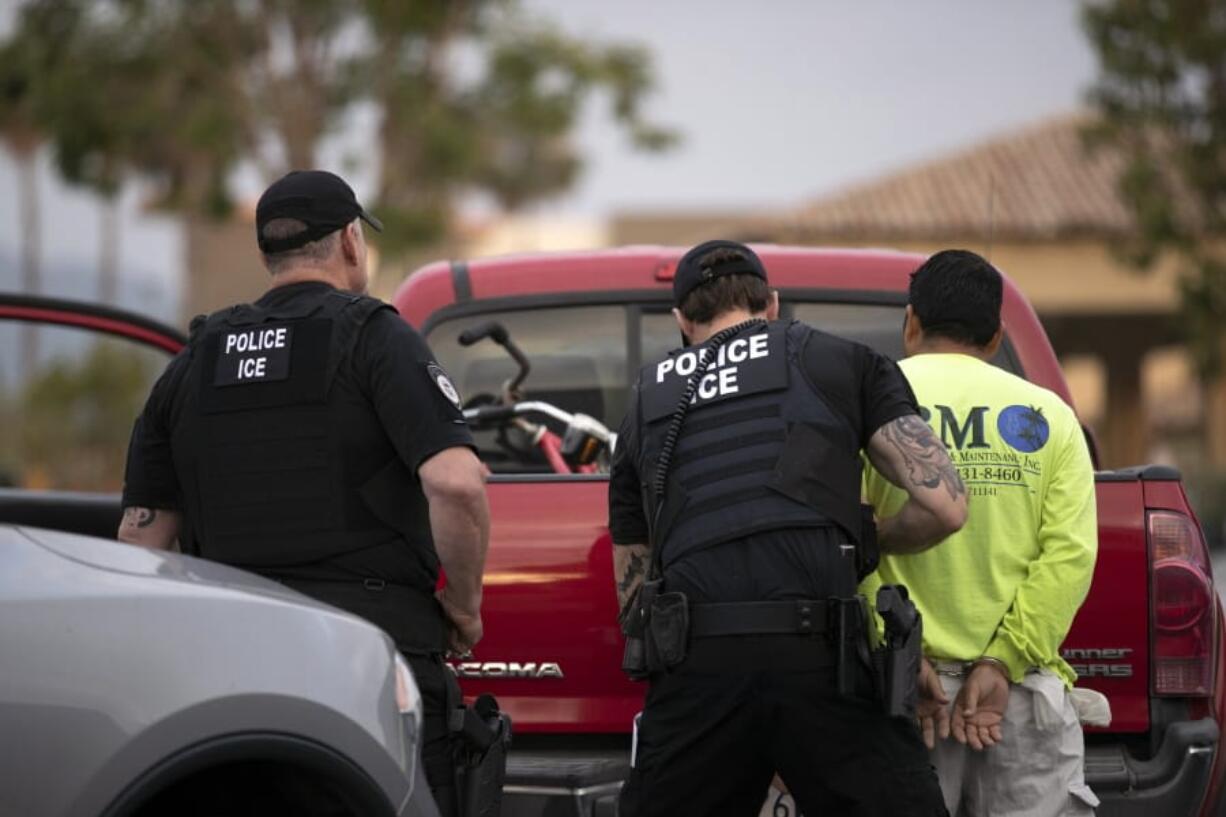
{"points": [[782, 100], [777, 101]]}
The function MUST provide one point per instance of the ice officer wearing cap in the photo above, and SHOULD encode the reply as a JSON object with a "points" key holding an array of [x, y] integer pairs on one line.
{"points": [[738, 544], [311, 437]]}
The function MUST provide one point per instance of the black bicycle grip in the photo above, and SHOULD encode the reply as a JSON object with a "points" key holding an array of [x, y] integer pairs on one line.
{"points": [[489, 329]]}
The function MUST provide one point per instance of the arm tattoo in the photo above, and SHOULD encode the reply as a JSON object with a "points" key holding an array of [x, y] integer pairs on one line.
{"points": [[924, 455], [146, 517], [630, 564], [633, 572]]}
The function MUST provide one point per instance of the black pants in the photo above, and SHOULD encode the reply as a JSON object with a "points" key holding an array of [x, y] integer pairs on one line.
{"points": [[711, 740], [437, 756]]}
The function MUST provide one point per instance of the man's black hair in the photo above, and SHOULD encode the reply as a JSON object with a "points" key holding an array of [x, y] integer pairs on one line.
{"points": [[956, 294]]}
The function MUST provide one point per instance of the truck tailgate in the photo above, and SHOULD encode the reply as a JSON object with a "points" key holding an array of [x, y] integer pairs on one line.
{"points": [[552, 649], [1108, 645]]}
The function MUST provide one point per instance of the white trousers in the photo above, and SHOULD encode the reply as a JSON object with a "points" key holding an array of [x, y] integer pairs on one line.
{"points": [[1038, 768]]}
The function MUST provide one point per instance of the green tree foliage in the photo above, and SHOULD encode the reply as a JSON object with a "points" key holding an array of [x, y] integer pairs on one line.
{"points": [[1161, 94], [76, 415], [470, 96]]}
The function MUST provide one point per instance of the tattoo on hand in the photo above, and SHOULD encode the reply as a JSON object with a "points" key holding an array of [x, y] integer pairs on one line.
{"points": [[925, 456]]}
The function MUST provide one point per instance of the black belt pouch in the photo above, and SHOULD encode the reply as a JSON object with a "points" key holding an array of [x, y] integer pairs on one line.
{"points": [[669, 628]]}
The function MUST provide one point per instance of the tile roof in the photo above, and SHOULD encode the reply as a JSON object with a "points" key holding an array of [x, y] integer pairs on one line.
{"points": [[1037, 183]]}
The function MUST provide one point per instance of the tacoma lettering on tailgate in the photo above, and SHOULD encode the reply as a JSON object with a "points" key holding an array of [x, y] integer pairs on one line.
{"points": [[1106, 662], [505, 669]]}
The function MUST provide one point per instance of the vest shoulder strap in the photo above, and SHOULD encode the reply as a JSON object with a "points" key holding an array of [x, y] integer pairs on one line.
{"points": [[350, 314]]}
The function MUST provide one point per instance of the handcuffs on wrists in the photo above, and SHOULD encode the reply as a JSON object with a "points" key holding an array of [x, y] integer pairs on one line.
{"points": [[962, 670], [990, 661]]}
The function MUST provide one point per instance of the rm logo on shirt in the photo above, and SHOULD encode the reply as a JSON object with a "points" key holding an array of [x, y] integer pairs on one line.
{"points": [[959, 432], [985, 468]]}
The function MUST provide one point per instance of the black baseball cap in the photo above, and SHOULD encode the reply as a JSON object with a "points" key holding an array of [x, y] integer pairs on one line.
{"points": [[319, 199], [691, 274]]}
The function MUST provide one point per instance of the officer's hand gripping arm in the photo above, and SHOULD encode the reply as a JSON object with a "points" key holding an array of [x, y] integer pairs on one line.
{"points": [[150, 527], [454, 485], [909, 455]]}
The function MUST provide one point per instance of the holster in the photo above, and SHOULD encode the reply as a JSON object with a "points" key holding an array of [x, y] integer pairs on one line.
{"points": [[668, 631], [634, 628], [657, 629], [896, 663], [482, 736]]}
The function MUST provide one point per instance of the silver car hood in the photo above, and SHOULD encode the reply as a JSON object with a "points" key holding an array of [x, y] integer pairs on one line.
{"points": [[133, 560]]}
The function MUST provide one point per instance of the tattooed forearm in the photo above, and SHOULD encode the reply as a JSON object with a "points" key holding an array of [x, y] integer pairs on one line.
{"points": [[149, 527], [923, 455], [634, 572], [629, 569]]}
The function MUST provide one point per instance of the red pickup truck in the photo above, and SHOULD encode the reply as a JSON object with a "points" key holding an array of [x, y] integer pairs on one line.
{"points": [[1147, 636]]}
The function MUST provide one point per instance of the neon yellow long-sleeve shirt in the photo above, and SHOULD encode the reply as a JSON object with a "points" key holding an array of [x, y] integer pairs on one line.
{"points": [[1010, 582]]}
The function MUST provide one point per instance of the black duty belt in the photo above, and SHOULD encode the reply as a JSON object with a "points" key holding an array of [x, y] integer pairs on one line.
{"points": [[802, 617]]}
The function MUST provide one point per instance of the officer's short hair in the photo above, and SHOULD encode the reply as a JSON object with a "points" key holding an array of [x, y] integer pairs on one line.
{"points": [[956, 294], [279, 228], [725, 293]]}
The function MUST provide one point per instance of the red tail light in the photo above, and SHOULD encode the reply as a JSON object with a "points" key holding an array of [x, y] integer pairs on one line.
{"points": [[1182, 616]]}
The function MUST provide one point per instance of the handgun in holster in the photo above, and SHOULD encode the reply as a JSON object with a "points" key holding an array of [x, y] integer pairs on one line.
{"points": [[482, 736], [897, 661]]}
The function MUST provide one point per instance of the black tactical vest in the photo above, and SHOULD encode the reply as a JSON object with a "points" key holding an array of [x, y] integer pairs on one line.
{"points": [[283, 464], [257, 449], [760, 448]]}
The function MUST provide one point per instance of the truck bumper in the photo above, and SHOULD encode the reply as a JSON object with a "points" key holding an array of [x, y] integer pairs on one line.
{"points": [[1174, 781], [554, 783]]}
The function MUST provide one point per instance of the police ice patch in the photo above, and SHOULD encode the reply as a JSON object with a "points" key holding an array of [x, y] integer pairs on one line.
{"points": [[444, 383], [258, 355]]}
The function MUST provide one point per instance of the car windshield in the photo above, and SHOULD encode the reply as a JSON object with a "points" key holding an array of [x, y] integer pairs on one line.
{"points": [[583, 358]]}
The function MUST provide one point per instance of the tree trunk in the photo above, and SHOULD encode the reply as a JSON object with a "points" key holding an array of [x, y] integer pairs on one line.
{"points": [[28, 208], [108, 250]]}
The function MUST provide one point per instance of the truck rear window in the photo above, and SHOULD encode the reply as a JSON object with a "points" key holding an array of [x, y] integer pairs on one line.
{"points": [[585, 357]]}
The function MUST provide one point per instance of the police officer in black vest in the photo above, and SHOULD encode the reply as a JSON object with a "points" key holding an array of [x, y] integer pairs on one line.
{"points": [[310, 437], [735, 516]]}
